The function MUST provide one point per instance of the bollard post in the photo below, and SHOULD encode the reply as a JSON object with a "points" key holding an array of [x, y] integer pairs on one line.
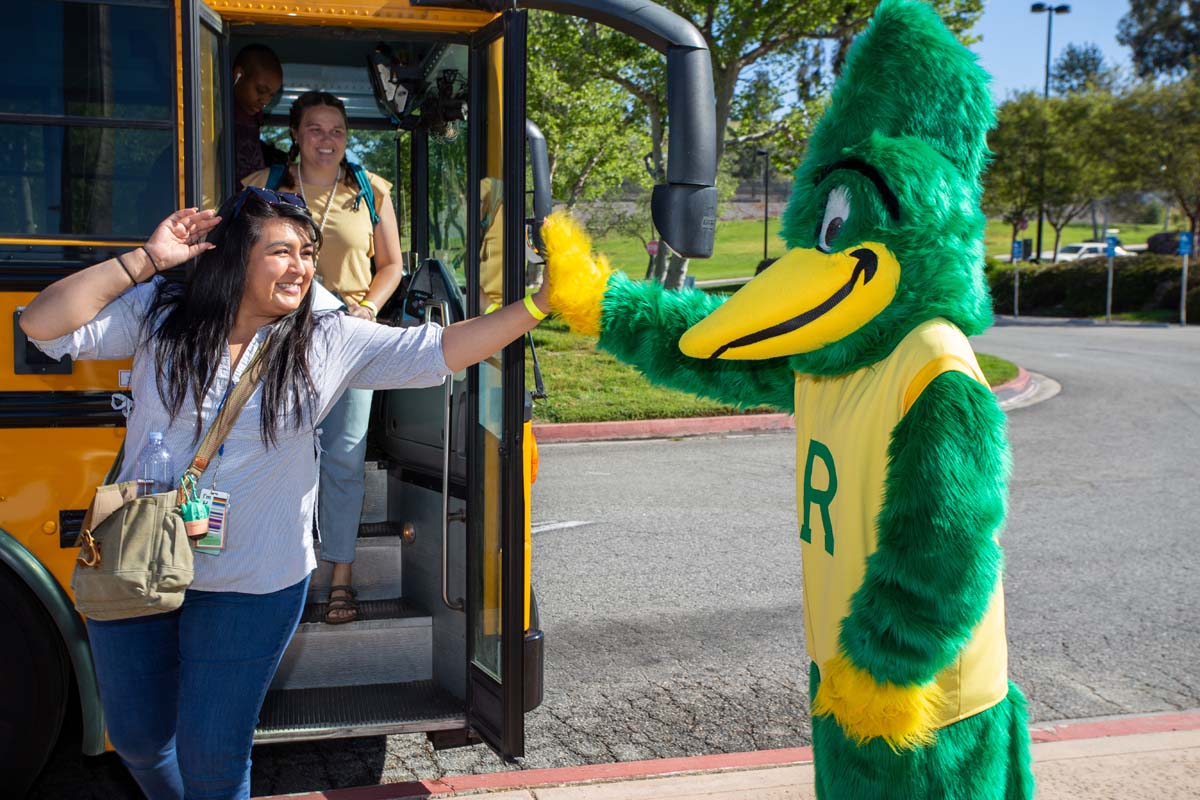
{"points": [[1185, 250], [1183, 293], [1110, 250]]}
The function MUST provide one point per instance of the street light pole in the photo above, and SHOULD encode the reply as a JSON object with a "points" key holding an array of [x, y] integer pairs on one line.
{"points": [[766, 157], [1050, 10]]}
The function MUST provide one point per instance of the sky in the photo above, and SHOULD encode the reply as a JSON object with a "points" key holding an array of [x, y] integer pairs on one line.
{"points": [[1013, 46]]}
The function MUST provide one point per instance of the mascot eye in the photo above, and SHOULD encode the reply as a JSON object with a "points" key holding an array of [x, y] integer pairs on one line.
{"points": [[837, 211]]}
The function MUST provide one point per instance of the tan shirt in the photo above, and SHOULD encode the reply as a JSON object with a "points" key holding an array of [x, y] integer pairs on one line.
{"points": [[344, 263]]}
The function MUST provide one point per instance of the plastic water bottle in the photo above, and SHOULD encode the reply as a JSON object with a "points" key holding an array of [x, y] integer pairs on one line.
{"points": [[152, 471]]}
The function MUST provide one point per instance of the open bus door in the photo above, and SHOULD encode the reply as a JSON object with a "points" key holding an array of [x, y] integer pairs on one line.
{"points": [[496, 551]]}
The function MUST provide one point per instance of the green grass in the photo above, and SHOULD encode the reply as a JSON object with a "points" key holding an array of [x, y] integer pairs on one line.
{"points": [[996, 370], [738, 247], [585, 385]]}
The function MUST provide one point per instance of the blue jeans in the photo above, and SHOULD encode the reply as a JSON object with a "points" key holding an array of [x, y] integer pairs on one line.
{"points": [[343, 483], [181, 692]]}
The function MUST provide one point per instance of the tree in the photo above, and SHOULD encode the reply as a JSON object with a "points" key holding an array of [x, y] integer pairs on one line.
{"points": [[1076, 168], [1163, 34], [1162, 125], [741, 34], [1082, 68], [593, 138], [1011, 182]]}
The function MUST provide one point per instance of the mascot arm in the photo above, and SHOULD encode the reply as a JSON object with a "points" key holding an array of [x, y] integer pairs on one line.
{"points": [[929, 582], [640, 323]]}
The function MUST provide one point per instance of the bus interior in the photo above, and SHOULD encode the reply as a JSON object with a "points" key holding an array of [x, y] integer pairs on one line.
{"points": [[402, 666]]}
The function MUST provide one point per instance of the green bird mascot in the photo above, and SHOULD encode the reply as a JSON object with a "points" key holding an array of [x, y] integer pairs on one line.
{"points": [[902, 459]]}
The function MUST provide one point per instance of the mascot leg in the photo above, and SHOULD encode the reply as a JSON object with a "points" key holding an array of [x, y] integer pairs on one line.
{"points": [[984, 757]]}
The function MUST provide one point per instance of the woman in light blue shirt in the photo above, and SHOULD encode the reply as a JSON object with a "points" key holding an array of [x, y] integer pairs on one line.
{"points": [[181, 691]]}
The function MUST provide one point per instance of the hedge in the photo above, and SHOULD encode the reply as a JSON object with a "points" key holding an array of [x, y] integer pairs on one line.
{"points": [[1141, 283]]}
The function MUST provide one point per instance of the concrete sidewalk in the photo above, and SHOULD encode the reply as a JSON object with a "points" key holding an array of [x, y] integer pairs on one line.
{"points": [[1145, 757], [1152, 766]]}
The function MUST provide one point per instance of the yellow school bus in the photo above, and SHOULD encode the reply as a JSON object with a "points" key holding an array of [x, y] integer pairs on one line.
{"points": [[115, 112]]}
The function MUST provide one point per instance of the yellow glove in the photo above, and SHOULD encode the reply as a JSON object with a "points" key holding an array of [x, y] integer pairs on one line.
{"points": [[577, 277], [903, 716]]}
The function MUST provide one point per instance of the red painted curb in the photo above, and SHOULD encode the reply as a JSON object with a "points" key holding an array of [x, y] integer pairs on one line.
{"points": [[630, 770], [1015, 386], [549, 432], [1116, 726], [660, 428]]}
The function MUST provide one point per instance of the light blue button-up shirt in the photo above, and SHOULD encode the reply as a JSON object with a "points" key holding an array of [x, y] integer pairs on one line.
{"points": [[273, 490]]}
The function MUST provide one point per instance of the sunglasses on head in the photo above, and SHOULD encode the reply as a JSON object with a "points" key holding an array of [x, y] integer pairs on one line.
{"points": [[268, 196]]}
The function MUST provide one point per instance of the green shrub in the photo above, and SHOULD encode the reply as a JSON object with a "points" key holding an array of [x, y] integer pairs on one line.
{"points": [[1142, 283]]}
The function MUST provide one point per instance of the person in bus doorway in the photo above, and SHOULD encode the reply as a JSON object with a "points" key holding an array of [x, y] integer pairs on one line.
{"points": [[353, 211], [181, 691], [257, 78]]}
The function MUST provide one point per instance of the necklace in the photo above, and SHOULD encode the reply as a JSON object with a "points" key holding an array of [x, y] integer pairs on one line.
{"points": [[329, 202]]}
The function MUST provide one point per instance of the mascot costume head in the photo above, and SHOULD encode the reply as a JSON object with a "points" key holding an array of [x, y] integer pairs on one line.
{"points": [[860, 330]]}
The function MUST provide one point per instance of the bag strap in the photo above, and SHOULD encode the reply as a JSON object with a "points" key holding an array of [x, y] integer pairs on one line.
{"points": [[365, 190], [275, 176], [228, 414]]}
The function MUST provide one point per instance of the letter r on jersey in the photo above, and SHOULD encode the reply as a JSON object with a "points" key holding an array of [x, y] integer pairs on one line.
{"points": [[820, 497]]}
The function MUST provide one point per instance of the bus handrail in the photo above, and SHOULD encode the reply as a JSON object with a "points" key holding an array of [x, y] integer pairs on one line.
{"points": [[457, 604]]}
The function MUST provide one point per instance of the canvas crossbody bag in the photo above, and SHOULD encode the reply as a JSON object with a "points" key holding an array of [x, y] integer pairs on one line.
{"points": [[135, 556]]}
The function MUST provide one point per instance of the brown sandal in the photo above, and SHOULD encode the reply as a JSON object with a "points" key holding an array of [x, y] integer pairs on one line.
{"points": [[336, 610]]}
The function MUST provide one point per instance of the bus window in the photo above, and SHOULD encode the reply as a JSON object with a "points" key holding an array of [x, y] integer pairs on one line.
{"points": [[448, 202], [214, 178], [87, 127]]}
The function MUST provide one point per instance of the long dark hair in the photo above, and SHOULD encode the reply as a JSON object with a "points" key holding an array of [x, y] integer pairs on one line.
{"points": [[296, 114], [192, 322]]}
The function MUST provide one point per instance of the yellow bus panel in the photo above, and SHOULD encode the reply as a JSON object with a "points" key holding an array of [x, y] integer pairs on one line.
{"points": [[391, 14], [48, 470], [97, 376]]}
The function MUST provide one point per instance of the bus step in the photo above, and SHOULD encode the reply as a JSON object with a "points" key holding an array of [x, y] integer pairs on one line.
{"points": [[377, 573], [392, 608], [391, 642], [345, 711], [369, 530]]}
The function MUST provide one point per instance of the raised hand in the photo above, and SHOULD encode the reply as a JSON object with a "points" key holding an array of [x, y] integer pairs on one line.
{"points": [[180, 237]]}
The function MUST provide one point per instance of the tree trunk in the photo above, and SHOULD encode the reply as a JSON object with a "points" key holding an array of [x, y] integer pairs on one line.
{"points": [[1096, 237], [1057, 238], [676, 272], [658, 266], [724, 86]]}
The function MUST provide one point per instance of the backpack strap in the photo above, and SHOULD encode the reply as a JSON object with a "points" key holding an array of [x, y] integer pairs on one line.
{"points": [[365, 191], [275, 176]]}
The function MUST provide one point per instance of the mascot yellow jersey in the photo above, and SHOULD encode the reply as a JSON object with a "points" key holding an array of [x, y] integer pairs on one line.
{"points": [[843, 425]]}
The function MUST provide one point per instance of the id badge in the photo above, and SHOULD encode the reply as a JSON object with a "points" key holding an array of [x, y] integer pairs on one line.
{"points": [[218, 516]]}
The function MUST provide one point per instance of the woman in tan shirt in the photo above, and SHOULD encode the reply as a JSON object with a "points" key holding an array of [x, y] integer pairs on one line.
{"points": [[323, 177]]}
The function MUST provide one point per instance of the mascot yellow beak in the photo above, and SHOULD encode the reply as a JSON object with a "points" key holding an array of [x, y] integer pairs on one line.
{"points": [[802, 302]]}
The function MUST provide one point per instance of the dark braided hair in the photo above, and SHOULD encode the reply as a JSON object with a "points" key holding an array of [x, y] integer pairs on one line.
{"points": [[296, 115], [191, 322]]}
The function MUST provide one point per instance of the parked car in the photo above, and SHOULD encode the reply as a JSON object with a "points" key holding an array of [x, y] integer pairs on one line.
{"points": [[1074, 252]]}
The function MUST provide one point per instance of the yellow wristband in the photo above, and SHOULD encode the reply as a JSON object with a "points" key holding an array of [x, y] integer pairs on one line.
{"points": [[367, 304], [533, 309]]}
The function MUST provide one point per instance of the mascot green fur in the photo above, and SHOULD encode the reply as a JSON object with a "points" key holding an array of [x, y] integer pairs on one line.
{"points": [[902, 458]]}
